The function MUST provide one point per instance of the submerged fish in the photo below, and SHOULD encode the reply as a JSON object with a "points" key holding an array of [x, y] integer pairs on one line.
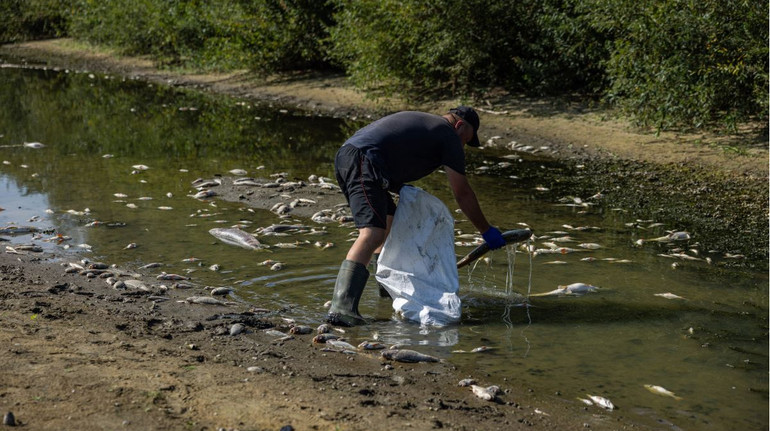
{"points": [[572, 289], [237, 237], [406, 355], [659, 390], [669, 295]]}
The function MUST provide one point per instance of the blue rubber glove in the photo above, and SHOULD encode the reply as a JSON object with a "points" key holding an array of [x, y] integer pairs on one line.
{"points": [[494, 238]]}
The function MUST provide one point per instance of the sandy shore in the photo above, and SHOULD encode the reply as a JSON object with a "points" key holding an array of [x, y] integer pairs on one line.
{"points": [[79, 354]]}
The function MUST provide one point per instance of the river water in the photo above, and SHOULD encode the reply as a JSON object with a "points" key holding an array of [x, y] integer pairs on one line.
{"points": [[709, 348]]}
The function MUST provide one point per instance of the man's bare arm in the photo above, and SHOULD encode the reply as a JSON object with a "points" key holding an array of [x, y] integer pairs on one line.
{"points": [[466, 199]]}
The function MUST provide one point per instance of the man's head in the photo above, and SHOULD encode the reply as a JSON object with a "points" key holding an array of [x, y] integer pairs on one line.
{"points": [[470, 117]]}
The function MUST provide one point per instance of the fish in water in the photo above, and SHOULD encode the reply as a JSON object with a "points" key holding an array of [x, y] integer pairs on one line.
{"points": [[576, 289], [659, 390], [237, 237], [669, 295], [406, 355]]}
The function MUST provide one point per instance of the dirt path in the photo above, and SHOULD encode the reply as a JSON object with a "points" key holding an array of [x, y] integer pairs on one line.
{"points": [[79, 354]]}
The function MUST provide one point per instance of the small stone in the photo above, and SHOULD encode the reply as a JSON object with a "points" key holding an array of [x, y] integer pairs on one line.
{"points": [[9, 419], [287, 428]]}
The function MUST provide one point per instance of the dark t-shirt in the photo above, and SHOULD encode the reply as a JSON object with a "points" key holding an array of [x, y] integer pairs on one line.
{"points": [[407, 146]]}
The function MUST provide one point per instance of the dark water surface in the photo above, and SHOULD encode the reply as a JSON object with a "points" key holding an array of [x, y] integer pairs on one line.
{"points": [[710, 348]]}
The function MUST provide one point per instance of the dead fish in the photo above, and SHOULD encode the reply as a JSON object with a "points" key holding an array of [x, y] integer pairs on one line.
{"points": [[221, 291], [130, 246], [489, 393], [301, 330], [238, 171], [659, 390], [466, 382], [34, 145], [323, 328], [602, 402], [274, 333], [344, 345], [204, 300], [203, 194], [237, 237], [476, 350], [237, 329], [29, 247], [200, 183], [151, 265], [276, 266], [673, 236], [406, 355], [140, 167], [323, 338], [669, 295], [590, 246], [165, 208], [136, 284], [245, 182], [572, 289], [165, 276], [18, 230], [366, 345]]}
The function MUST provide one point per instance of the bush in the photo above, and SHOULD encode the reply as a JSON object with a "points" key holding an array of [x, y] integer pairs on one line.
{"points": [[684, 63], [22, 20], [531, 46]]}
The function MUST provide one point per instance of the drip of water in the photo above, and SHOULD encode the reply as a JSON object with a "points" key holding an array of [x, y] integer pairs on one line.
{"points": [[511, 295]]}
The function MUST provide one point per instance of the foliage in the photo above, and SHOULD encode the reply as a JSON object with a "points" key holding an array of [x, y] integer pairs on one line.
{"points": [[22, 20], [684, 62], [666, 63]]}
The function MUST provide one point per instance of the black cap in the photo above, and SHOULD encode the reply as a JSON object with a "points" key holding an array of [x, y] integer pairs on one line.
{"points": [[470, 116]]}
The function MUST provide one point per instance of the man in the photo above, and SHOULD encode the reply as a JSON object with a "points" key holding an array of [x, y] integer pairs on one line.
{"points": [[382, 157]]}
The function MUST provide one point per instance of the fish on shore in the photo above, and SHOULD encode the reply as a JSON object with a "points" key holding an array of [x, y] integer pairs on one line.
{"points": [[669, 295], [489, 393], [406, 355], [237, 237], [602, 402]]}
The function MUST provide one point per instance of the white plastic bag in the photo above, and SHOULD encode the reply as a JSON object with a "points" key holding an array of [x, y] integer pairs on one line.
{"points": [[417, 265]]}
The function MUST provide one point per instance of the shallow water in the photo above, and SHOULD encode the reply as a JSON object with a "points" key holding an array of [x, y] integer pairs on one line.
{"points": [[711, 348]]}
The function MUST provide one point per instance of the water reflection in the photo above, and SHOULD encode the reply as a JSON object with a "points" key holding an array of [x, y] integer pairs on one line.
{"points": [[711, 348]]}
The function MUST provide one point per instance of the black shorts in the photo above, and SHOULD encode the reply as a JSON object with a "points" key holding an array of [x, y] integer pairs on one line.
{"points": [[363, 187]]}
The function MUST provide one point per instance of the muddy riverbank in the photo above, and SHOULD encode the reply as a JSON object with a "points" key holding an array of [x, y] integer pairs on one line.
{"points": [[82, 355]]}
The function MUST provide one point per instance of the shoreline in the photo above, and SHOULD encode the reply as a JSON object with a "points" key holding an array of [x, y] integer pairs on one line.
{"points": [[84, 355]]}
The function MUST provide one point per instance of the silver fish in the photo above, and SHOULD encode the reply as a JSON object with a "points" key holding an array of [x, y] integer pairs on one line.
{"points": [[366, 345], [406, 355], [221, 291], [602, 402], [489, 393], [341, 344], [669, 295], [237, 237], [572, 289], [659, 390], [165, 276], [237, 329], [204, 300]]}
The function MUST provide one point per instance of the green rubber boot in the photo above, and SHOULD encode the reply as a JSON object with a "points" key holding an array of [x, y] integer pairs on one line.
{"points": [[383, 292], [351, 281]]}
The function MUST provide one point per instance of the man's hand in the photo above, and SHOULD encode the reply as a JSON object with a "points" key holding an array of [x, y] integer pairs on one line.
{"points": [[494, 238]]}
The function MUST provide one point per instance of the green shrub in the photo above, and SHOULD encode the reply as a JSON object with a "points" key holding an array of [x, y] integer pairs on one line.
{"points": [[22, 20], [686, 63]]}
